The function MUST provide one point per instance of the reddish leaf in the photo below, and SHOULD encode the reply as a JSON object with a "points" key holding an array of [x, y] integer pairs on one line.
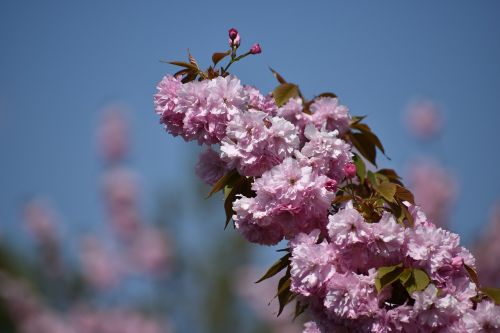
{"points": [[218, 56], [364, 146], [278, 77]]}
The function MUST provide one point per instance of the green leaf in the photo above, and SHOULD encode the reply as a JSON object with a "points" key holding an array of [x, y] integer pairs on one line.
{"points": [[386, 275], [360, 168], [418, 280], [284, 294], [493, 293], [278, 77], [218, 56], [386, 190], [228, 178], [228, 207], [284, 92], [299, 309], [422, 280], [371, 177], [277, 267], [405, 276]]}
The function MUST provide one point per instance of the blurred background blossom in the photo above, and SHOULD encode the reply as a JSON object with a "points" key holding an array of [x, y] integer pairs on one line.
{"points": [[103, 225]]}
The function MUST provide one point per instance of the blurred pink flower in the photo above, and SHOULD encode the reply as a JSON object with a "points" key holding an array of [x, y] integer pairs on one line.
{"points": [[435, 189], [121, 191], [45, 322], [487, 250], [424, 119], [150, 250], [113, 135], [99, 266], [40, 220], [87, 320]]}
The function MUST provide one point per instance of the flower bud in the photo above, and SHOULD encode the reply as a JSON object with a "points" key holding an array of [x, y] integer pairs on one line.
{"points": [[233, 33], [331, 185], [255, 49], [350, 170], [235, 42]]}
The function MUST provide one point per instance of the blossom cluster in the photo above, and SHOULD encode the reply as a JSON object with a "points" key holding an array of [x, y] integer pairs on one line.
{"points": [[295, 159], [337, 278], [370, 263]]}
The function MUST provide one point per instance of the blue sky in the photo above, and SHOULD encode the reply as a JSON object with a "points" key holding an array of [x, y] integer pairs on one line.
{"points": [[61, 61]]}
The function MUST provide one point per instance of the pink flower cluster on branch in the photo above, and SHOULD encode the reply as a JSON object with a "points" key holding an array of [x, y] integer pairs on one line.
{"points": [[361, 256]]}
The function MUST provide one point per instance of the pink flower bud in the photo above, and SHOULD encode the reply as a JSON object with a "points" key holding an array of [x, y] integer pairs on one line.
{"points": [[234, 38], [233, 33], [350, 170], [255, 49], [331, 185]]}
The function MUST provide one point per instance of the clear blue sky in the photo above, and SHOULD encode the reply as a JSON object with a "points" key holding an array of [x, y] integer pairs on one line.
{"points": [[60, 61]]}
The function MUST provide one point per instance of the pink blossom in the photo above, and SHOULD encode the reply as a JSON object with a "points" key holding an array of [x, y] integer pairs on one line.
{"points": [[326, 153], [256, 143], [166, 101], [289, 199], [210, 167], [435, 311], [485, 318], [327, 112], [312, 264], [351, 295], [431, 247], [387, 241], [259, 102], [199, 110], [292, 111], [208, 106], [348, 227], [311, 327]]}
